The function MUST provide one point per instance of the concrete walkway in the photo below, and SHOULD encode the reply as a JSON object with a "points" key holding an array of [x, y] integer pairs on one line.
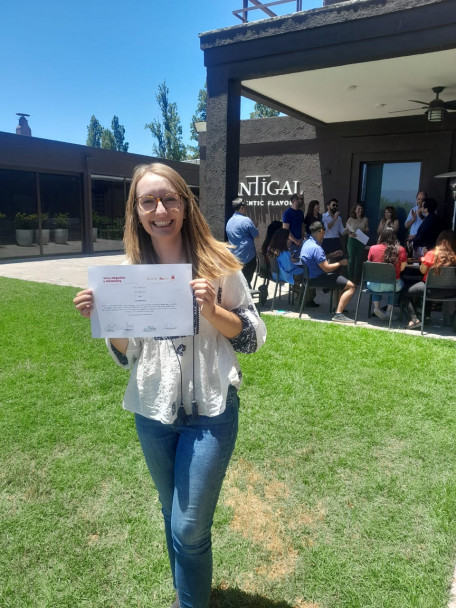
{"points": [[71, 271]]}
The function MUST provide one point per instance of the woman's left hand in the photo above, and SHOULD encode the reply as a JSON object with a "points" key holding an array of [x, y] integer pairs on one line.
{"points": [[205, 296]]}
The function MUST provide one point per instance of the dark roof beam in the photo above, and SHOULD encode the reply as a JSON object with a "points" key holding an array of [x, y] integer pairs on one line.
{"points": [[275, 105]]}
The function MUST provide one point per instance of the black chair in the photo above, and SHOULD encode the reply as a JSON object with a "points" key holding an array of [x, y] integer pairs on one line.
{"points": [[439, 288], [263, 270], [279, 283], [377, 272], [307, 282]]}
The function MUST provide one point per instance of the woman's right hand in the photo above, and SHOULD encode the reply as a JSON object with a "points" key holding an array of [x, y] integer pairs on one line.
{"points": [[84, 302]]}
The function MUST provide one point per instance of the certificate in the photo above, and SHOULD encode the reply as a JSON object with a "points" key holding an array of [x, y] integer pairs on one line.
{"points": [[143, 300], [362, 237]]}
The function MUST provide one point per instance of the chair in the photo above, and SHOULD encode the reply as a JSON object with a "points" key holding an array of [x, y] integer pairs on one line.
{"points": [[307, 282], [445, 280], [262, 269], [279, 283], [377, 272]]}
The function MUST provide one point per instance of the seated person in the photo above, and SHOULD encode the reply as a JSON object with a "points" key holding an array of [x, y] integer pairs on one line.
{"points": [[273, 227], [279, 248], [325, 274], [389, 251], [389, 219], [444, 254], [288, 270]]}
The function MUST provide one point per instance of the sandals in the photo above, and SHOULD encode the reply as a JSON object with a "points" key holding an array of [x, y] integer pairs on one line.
{"points": [[413, 324]]}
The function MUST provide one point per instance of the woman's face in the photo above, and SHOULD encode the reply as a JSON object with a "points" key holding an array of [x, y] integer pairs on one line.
{"points": [[161, 223], [358, 211], [387, 214], [316, 210]]}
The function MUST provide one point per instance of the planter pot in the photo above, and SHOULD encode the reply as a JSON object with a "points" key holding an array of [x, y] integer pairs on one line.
{"points": [[44, 236], [24, 238], [94, 234], [61, 235]]}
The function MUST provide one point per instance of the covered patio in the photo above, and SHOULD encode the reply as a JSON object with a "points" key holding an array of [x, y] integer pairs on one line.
{"points": [[355, 80]]}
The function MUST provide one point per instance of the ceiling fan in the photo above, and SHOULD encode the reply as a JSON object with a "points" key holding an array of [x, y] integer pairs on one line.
{"points": [[435, 109]]}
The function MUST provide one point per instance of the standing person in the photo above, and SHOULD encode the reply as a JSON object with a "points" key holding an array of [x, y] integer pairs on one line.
{"points": [[293, 220], [414, 220], [355, 248], [389, 251], [333, 229], [313, 215], [241, 233], [389, 219], [427, 234], [325, 274], [183, 390]]}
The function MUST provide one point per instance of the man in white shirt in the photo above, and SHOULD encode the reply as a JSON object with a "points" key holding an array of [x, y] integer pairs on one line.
{"points": [[415, 219], [333, 229]]}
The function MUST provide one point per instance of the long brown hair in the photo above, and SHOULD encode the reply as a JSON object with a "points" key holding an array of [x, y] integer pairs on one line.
{"points": [[445, 250], [279, 241], [210, 258], [389, 238]]}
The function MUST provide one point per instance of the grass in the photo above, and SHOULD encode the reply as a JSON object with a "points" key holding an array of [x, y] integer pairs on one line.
{"points": [[340, 494]]}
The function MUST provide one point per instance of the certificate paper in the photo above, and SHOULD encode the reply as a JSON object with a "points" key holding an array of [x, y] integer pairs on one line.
{"points": [[362, 237], [139, 301]]}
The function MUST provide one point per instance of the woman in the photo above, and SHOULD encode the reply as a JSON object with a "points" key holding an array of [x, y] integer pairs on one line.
{"points": [[389, 219], [355, 248], [389, 251], [279, 248], [288, 271], [313, 215], [183, 390], [444, 254], [270, 230]]}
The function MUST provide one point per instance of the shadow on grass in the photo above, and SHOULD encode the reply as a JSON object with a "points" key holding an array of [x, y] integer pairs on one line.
{"points": [[235, 598]]}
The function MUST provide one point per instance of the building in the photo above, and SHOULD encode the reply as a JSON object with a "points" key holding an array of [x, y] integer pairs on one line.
{"points": [[344, 75], [70, 198]]}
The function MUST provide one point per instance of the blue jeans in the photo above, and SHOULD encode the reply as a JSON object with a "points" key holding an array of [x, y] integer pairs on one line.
{"points": [[187, 461], [378, 288]]}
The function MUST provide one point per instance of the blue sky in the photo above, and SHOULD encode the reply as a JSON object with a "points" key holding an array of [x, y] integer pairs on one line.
{"points": [[63, 62]]}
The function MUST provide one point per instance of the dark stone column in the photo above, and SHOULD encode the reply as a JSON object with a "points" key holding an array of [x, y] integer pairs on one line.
{"points": [[222, 149]]}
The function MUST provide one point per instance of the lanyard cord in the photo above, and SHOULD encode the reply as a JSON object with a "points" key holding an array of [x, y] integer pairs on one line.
{"points": [[179, 351]]}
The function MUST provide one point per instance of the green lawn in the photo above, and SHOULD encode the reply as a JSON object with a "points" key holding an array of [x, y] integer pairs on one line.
{"points": [[341, 492]]}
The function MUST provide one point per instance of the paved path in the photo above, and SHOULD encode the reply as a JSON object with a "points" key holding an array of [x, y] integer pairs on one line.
{"points": [[70, 271]]}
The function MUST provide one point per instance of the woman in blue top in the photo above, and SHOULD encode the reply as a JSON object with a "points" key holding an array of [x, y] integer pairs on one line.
{"points": [[278, 247]]}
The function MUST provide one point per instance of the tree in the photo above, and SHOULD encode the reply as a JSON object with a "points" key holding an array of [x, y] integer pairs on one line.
{"points": [[262, 111], [118, 131], [94, 132], [107, 140], [168, 131], [198, 116]]}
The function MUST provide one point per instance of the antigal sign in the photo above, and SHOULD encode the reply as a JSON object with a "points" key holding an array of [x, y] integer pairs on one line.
{"points": [[257, 190]]}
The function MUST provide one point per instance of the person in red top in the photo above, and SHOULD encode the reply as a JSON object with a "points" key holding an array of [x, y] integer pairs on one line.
{"points": [[389, 251], [443, 254]]}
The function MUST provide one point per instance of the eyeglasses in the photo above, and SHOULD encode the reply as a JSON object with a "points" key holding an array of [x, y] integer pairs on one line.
{"points": [[148, 203]]}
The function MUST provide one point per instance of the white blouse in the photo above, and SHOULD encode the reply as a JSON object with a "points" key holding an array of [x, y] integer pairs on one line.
{"points": [[163, 369]]}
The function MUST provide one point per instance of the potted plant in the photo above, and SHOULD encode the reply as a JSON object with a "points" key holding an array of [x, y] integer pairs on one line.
{"points": [[44, 229], [24, 229], [61, 223]]}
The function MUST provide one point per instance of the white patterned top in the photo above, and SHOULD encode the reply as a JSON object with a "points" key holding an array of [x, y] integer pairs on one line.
{"points": [[154, 388]]}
